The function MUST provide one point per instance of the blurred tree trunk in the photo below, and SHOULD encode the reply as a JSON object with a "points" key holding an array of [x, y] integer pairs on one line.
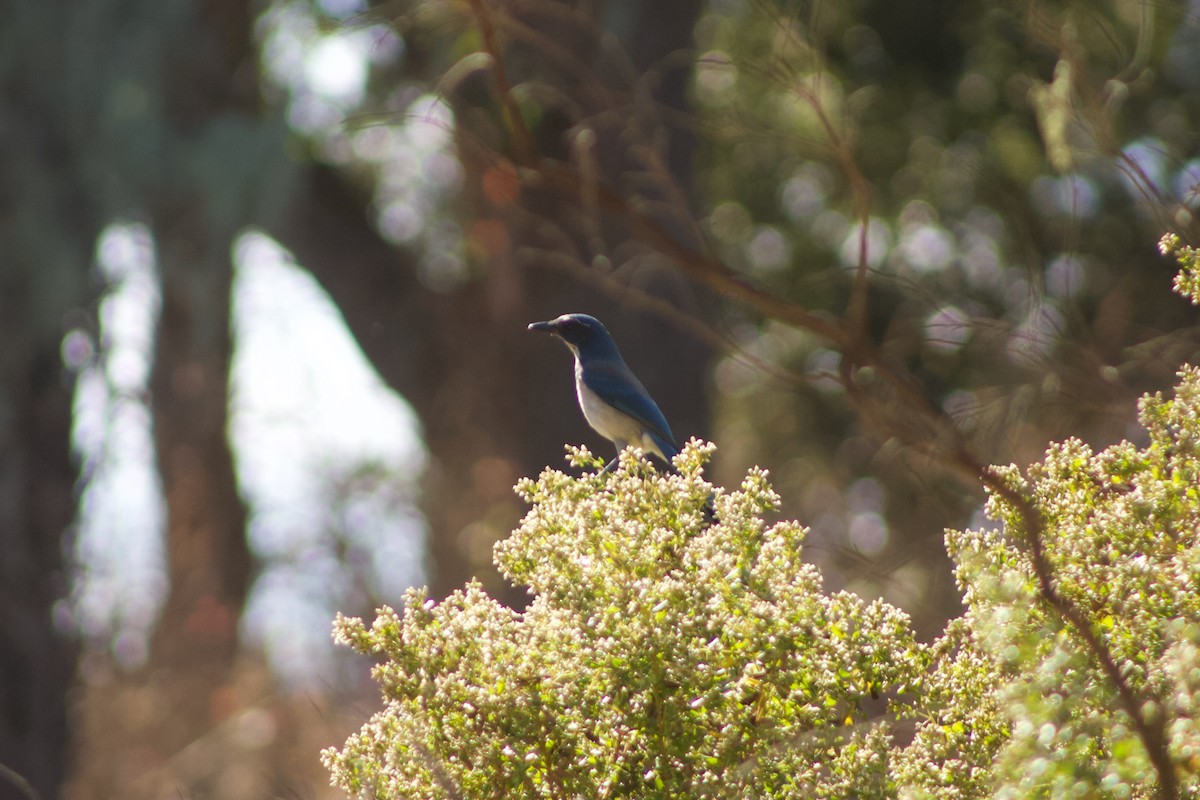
{"points": [[46, 233], [37, 501], [197, 164], [212, 89], [208, 562]]}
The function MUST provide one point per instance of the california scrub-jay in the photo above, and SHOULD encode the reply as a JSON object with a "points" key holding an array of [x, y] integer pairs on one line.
{"points": [[613, 400]]}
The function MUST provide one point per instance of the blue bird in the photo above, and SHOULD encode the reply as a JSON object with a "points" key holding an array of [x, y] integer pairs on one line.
{"points": [[613, 400]]}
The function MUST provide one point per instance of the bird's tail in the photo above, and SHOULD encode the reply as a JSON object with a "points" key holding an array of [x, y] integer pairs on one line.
{"points": [[666, 447]]}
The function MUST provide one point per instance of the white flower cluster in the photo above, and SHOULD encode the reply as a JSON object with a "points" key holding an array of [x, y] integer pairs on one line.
{"points": [[1187, 281], [676, 646]]}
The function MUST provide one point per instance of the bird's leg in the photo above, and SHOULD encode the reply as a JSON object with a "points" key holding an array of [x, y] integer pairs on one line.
{"points": [[610, 466]]}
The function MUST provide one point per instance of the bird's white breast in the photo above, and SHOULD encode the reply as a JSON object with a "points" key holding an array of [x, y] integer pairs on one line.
{"points": [[616, 426]]}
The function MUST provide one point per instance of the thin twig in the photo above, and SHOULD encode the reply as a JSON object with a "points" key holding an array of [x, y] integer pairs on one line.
{"points": [[522, 141], [18, 780]]}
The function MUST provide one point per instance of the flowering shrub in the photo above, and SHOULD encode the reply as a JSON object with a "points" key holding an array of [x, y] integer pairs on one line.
{"points": [[668, 655], [1020, 703], [662, 656], [676, 646], [1076, 669], [1187, 282]]}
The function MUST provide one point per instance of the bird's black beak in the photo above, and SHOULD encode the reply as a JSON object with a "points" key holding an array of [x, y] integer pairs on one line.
{"points": [[543, 327]]}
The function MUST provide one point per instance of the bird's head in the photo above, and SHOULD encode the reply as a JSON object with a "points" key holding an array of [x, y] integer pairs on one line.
{"points": [[577, 330]]}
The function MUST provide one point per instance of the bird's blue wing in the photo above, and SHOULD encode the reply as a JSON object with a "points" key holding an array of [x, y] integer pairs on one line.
{"points": [[616, 385]]}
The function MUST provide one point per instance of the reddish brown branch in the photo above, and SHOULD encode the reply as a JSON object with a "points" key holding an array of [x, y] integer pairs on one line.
{"points": [[522, 141], [1150, 728], [708, 271]]}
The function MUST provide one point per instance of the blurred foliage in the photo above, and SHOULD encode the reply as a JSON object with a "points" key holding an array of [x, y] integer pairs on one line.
{"points": [[1010, 162], [1013, 161]]}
